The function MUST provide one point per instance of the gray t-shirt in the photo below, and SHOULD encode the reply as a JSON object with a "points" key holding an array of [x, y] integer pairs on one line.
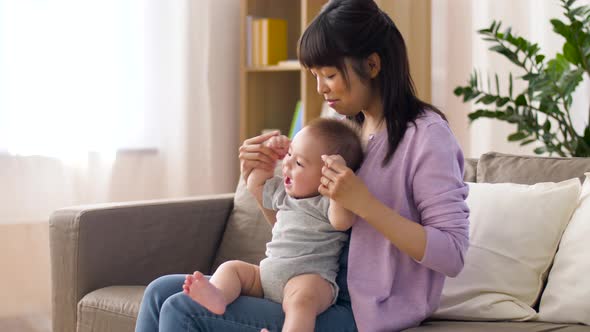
{"points": [[303, 240]]}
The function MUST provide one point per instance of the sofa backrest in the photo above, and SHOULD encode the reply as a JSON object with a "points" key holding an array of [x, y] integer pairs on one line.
{"points": [[247, 232], [494, 167]]}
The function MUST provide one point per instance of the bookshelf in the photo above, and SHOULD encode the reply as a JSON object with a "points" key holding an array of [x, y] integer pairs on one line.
{"points": [[268, 94]]}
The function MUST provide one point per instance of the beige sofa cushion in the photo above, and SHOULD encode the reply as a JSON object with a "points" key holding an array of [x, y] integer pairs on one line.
{"points": [[566, 298], [494, 167], [110, 309], [246, 233], [513, 236]]}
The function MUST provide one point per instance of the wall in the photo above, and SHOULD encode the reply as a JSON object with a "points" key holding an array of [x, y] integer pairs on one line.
{"points": [[412, 18]]}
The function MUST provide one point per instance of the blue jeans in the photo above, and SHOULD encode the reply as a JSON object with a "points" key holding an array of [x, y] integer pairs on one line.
{"points": [[165, 308]]}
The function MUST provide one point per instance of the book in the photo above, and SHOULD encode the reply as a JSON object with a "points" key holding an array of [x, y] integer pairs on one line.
{"points": [[249, 33], [269, 41], [256, 42], [297, 122], [274, 41]]}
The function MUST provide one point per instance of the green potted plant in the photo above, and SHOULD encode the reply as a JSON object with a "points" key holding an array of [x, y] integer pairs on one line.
{"points": [[541, 112]]}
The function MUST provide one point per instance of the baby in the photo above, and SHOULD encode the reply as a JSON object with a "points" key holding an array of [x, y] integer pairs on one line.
{"points": [[308, 231]]}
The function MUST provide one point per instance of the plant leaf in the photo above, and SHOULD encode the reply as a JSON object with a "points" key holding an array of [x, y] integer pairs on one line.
{"points": [[528, 141], [540, 111], [547, 125], [502, 101], [487, 99], [520, 100], [506, 52], [517, 136], [510, 86], [540, 150], [571, 53], [561, 28]]}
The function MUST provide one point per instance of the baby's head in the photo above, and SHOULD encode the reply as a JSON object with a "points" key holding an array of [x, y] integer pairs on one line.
{"points": [[302, 166]]}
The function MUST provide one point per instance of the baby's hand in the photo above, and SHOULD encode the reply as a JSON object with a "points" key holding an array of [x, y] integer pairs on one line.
{"points": [[280, 144]]}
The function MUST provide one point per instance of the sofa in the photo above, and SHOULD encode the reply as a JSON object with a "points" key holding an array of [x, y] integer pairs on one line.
{"points": [[103, 256]]}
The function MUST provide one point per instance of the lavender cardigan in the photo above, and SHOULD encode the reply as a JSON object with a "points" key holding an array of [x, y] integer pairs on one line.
{"points": [[423, 182]]}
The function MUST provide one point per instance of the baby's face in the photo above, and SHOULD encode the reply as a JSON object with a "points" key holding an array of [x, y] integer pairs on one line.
{"points": [[302, 166]]}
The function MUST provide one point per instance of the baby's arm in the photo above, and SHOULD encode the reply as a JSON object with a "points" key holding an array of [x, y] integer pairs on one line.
{"points": [[256, 179], [255, 186], [340, 218]]}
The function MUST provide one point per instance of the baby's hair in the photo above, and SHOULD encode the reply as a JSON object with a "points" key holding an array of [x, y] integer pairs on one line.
{"points": [[340, 138]]}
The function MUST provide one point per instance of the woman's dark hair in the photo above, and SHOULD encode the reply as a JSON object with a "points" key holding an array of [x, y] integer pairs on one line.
{"points": [[355, 29]]}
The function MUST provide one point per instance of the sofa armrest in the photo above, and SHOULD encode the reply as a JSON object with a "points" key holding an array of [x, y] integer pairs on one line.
{"points": [[131, 243]]}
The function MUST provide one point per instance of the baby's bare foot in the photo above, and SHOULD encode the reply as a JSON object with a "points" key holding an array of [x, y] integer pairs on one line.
{"points": [[205, 293], [187, 283]]}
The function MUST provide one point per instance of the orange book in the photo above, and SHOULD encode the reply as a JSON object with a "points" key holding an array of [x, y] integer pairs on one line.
{"points": [[256, 42]]}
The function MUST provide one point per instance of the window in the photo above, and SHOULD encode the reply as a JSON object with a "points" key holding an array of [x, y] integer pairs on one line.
{"points": [[72, 76]]}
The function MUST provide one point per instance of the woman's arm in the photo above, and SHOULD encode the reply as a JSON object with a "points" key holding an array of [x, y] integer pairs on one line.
{"points": [[440, 238], [342, 185], [406, 235]]}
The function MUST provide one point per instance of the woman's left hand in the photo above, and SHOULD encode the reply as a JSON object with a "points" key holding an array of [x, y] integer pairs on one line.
{"points": [[339, 183]]}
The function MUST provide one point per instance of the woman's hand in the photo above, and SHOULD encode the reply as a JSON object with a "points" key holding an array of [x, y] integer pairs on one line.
{"points": [[339, 183], [254, 153]]}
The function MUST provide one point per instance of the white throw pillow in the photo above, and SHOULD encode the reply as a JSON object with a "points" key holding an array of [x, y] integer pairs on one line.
{"points": [[514, 233], [566, 298]]}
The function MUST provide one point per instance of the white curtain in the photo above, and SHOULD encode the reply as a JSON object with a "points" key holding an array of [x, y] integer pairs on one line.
{"points": [[457, 49], [115, 100]]}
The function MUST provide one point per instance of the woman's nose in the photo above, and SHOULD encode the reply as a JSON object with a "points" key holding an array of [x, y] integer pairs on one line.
{"points": [[321, 86]]}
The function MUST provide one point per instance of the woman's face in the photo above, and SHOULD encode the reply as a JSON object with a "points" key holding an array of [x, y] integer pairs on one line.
{"points": [[346, 100]]}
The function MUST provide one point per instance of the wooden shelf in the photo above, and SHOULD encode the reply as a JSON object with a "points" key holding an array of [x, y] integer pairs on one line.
{"points": [[269, 94], [290, 67]]}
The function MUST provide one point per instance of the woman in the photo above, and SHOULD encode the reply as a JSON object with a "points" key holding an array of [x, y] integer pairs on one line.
{"points": [[411, 229]]}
